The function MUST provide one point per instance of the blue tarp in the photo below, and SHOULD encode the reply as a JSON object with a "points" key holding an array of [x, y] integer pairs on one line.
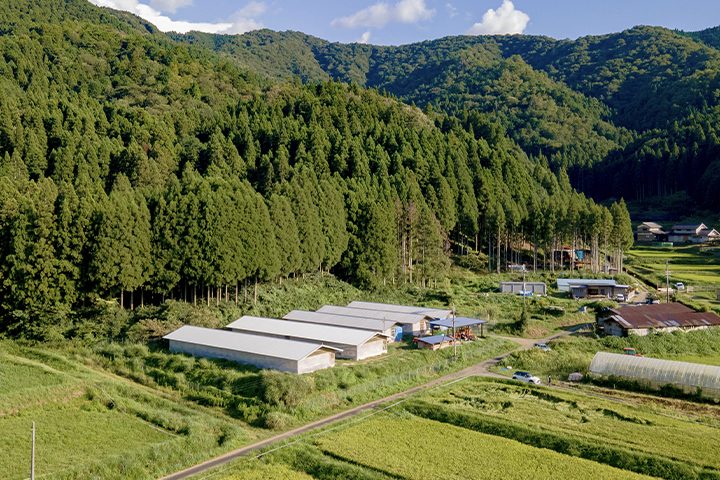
{"points": [[435, 339], [460, 322]]}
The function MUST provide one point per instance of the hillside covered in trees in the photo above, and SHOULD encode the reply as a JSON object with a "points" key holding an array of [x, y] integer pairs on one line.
{"points": [[629, 114], [136, 168]]}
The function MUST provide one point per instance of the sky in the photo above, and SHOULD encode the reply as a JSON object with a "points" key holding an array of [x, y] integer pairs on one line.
{"points": [[391, 22]]}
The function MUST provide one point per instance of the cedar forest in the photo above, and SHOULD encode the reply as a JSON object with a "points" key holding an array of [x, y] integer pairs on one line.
{"points": [[136, 165]]}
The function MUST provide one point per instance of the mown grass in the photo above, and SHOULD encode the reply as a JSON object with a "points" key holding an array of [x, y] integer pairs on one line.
{"points": [[584, 418], [417, 448]]}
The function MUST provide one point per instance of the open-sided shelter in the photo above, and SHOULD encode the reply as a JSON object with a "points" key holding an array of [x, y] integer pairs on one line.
{"points": [[355, 343], [413, 323], [462, 325], [434, 342], [388, 327], [262, 352]]}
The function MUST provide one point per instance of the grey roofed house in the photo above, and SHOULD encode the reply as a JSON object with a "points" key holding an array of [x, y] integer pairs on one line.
{"points": [[413, 323], [644, 319], [388, 307], [383, 326], [262, 352], [354, 342], [565, 284]]}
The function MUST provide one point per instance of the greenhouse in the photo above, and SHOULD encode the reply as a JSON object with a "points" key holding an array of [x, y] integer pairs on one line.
{"points": [[656, 373]]}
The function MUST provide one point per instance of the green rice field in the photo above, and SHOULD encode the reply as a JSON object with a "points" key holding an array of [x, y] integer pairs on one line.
{"points": [[417, 448], [686, 264], [635, 428]]}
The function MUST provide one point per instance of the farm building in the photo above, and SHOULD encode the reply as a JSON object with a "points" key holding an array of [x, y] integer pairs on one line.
{"points": [[517, 287], [412, 323], [665, 317], [655, 373], [435, 342], [387, 307], [565, 284], [262, 352], [392, 329], [608, 289], [463, 325], [692, 232], [355, 343], [650, 232]]}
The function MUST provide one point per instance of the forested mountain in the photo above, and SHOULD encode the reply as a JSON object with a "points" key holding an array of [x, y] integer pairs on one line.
{"points": [[630, 114], [133, 166]]}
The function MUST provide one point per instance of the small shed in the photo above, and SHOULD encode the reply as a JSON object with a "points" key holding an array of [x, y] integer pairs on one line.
{"points": [[413, 323], [262, 352], [462, 325], [354, 343], [390, 328], [518, 287], [566, 284], [435, 342]]}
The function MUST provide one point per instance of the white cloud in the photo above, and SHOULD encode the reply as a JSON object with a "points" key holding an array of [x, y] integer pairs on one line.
{"points": [[365, 37], [503, 20], [452, 10], [240, 22], [169, 5], [380, 14]]}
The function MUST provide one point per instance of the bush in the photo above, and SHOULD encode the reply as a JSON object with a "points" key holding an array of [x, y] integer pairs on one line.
{"points": [[285, 389], [277, 420]]}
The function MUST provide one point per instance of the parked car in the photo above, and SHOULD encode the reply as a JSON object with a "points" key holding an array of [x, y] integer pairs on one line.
{"points": [[526, 377], [620, 297], [680, 286], [542, 347]]}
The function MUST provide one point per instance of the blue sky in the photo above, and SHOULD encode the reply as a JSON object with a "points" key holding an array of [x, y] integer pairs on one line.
{"points": [[396, 22]]}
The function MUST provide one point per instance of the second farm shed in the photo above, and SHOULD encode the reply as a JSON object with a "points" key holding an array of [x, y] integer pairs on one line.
{"points": [[355, 343]]}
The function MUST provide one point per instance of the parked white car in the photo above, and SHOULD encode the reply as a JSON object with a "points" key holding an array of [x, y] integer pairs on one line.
{"points": [[680, 286], [526, 377]]}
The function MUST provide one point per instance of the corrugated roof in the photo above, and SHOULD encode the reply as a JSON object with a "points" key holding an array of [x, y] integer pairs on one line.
{"points": [[460, 322], [243, 342], [584, 281], [330, 334], [388, 307], [661, 320], [404, 318], [521, 283], [673, 307], [435, 339], [373, 324]]}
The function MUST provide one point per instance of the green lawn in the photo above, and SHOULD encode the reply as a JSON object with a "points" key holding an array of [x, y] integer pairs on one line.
{"points": [[416, 448], [20, 375]]}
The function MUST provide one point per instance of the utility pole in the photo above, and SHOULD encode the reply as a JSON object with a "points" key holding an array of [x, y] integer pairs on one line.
{"points": [[454, 340], [523, 292], [32, 454], [667, 281]]}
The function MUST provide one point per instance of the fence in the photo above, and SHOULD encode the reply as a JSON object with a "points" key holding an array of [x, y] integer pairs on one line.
{"points": [[701, 288]]}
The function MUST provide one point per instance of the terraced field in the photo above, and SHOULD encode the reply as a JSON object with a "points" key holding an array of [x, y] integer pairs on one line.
{"points": [[687, 264]]}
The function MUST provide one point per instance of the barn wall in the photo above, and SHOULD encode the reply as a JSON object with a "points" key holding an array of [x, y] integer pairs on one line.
{"points": [[259, 361], [414, 328], [371, 349], [317, 361]]}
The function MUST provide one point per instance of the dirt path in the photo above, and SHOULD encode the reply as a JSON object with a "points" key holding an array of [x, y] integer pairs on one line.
{"points": [[478, 369]]}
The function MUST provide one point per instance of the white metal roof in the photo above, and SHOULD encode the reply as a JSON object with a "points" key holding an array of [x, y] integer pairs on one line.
{"points": [[584, 281], [244, 342], [374, 324], [388, 307], [302, 330], [404, 318]]}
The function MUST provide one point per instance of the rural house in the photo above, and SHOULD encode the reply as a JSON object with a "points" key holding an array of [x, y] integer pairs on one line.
{"points": [[692, 232], [650, 232], [643, 319], [262, 352]]}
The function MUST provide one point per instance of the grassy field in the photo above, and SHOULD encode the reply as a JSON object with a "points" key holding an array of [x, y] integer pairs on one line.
{"points": [[687, 264], [416, 448], [635, 428]]}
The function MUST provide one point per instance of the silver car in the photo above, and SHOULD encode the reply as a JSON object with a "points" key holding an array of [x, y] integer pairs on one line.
{"points": [[526, 377]]}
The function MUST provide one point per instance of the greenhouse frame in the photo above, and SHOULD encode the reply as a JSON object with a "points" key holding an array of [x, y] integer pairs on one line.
{"points": [[655, 373]]}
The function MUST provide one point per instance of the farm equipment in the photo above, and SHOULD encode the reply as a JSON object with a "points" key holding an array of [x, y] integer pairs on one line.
{"points": [[631, 352]]}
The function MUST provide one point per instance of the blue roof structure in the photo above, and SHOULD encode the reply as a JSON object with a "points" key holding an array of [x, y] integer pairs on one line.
{"points": [[460, 322], [435, 339]]}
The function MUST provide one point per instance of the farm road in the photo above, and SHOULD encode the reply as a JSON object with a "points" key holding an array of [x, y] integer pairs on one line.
{"points": [[478, 369]]}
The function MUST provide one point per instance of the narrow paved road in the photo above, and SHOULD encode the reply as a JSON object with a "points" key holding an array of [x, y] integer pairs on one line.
{"points": [[478, 369]]}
